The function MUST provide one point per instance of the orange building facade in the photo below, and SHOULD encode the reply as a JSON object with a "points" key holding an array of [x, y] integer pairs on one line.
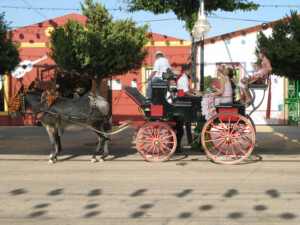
{"points": [[34, 41]]}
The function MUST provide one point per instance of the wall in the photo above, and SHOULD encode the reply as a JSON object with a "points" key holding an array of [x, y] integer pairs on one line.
{"points": [[34, 41]]}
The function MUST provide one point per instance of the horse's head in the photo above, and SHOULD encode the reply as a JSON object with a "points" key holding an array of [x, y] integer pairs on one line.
{"points": [[17, 102]]}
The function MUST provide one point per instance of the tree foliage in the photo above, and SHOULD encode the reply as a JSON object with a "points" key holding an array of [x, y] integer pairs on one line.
{"points": [[103, 48], [284, 46], [9, 54], [187, 10]]}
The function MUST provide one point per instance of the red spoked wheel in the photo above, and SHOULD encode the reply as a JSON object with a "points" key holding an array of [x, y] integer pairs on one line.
{"points": [[228, 138], [156, 141]]}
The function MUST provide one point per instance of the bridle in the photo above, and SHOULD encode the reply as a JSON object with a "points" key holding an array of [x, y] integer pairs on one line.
{"points": [[17, 102]]}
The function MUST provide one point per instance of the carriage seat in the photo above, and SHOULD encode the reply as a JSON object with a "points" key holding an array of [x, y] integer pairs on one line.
{"points": [[231, 107], [164, 85], [160, 85], [257, 86]]}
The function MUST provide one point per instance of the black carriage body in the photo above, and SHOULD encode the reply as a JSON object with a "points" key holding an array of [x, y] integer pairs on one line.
{"points": [[189, 108]]}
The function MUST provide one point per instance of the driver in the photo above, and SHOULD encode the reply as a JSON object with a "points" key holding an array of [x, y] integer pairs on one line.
{"points": [[183, 88], [183, 83]]}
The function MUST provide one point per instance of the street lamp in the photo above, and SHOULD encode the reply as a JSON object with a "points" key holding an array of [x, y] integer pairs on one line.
{"points": [[200, 29]]}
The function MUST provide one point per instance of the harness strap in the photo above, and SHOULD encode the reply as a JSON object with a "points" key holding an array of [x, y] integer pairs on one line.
{"points": [[93, 103]]}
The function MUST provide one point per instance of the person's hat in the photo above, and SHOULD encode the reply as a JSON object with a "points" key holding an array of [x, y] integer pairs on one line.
{"points": [[186, 67], [159, 52]]}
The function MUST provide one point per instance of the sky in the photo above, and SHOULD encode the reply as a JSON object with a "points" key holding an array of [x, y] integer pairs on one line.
{"points": [[166, 24]]}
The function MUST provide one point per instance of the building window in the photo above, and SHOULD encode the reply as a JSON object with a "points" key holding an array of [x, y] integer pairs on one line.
{"points": [[2, 93]]}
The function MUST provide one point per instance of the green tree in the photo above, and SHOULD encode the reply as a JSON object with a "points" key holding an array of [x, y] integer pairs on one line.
{"points": [[284, 46], [103, 49], [9, 54], [187, 10]]}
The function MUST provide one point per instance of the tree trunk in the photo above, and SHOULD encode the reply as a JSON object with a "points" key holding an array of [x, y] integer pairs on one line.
{"points": [[98, 84]]}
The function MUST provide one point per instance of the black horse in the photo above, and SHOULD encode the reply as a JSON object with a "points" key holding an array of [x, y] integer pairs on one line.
{"points": [[67, 114]]}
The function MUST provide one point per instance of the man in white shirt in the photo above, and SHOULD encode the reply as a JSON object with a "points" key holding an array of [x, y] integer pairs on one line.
{"points": [[161, 65], [183, 83]]}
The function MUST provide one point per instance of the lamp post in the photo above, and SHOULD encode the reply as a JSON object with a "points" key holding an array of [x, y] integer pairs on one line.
{"points": [[200, 29]]}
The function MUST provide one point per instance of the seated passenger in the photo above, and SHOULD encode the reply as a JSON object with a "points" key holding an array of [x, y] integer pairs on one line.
{"points": [[266, 68], [256, 78], [223, 96], [225, 92]]}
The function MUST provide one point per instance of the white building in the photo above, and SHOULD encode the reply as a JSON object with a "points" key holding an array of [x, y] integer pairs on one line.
{"points": [[236, 50]]}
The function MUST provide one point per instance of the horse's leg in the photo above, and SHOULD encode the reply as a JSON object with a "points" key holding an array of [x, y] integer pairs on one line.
{"points": [[102, 141], [105, 139], [105, 142], [58, 142], [98, 147], [52, 132]]}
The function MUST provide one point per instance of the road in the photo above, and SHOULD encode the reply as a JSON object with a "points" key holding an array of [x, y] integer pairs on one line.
{"points": [[125, 189]]}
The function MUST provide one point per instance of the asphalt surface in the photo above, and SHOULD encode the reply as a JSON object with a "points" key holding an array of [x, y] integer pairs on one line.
{"points": [[125, 189]]}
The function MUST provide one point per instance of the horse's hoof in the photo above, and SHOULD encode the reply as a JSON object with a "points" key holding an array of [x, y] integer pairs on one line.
{"points": [[102, 160], [51, 161], [94, 160]]}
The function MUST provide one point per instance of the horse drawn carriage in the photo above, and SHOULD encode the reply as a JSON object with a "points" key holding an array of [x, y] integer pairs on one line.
{"points": [[227, 138]]}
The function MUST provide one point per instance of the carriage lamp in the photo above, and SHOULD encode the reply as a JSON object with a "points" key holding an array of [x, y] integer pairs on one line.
{"points": [[200, 29]]}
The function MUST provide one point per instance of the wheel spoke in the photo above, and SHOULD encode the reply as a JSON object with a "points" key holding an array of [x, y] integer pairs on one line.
{"points": [[166, 137], [145, 141], [240, 130], [239, 148], [149, 132], [163, 151], [144, 135], [157, 149], [221, 131], [146, 145], [235, 126], [247, 135], [226, 152], [155, 131], [218, 139], [233, 150], [153, 151], [228, 126], [244, 143], [165, 133], [223, 124], [166, 147], [220, 150], [215, 146], [147, 150], [217, 134]]}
